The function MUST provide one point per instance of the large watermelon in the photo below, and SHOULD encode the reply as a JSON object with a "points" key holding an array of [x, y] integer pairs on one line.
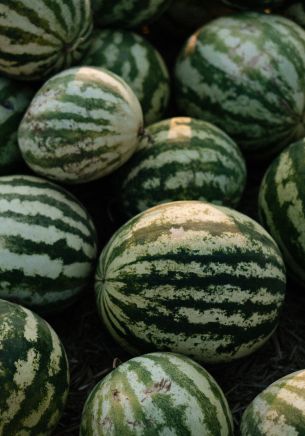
{"points": [[182, 159], [34, 373], [279, 410], [135, 60], [193, 278], [245, 73], [127, 13], [83, 124], [157, 394], [47, 244], [41, 37], [14, 100], [282, 206]]}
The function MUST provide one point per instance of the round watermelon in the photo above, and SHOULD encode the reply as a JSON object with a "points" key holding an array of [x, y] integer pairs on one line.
{"points": [[39, 38], [82, 124], [127, 13], [34, 373], [192, 278], [279, 410], [157, 394], [182, 159], [47, 244], [282, 206], [135, 60], [245, 73], [14, 100]]}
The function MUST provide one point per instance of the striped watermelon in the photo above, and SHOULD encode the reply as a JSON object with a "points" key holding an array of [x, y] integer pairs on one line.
{"points": [[39, 38], [279, 410], [34, 373], [82, 124], [182, 159], [135, 60], [296, 12], [14, 100], [255, 4], [245, 73], [282, 206], [47, 244], [192, 278], [157, 394], [127, 13]]}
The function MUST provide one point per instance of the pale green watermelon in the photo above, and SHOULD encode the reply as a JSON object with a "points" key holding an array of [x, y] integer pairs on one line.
{"points": [[181, 159], [245, 73], [40, 37], [193, 278], [82, 124], [134, 59], [157, 394], [34, 373]]}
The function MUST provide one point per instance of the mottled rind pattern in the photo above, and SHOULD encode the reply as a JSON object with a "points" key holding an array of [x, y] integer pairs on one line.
{"points": [[157, 394], [282, 206], [39, 38], [133, 58], [193, 278], [82, 124], [34, 373], [279, 410], [47, 244], [245, 73], [182, 159]]}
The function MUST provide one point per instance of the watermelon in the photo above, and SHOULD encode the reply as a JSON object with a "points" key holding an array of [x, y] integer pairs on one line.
{"points": [[296, 12], [34, 373], [245, 73], [47, 244], [157, 394], [255, 4], [81, 125], [14, 100], [192, 278], [182, 159], [282, 206], [279, 410], [39, 38], [127, 13], [133, 58]]}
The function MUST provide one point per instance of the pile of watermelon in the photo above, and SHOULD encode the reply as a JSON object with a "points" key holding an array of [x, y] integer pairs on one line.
{"points": [[133, 136]]}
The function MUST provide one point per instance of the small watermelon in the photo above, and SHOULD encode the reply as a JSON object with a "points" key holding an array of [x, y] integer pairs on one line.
{"points": [[182, 159], [157, 394], [39, 38], [279, 410], [282, 206], [127, 13], [14, 100], [82, 124], [245, 74], [34, 373], [192, 278], [47, 244], [134, 59]]}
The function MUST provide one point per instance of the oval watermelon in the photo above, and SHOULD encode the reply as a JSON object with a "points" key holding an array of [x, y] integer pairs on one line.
{"points": [[192, 278], [157, 394]]}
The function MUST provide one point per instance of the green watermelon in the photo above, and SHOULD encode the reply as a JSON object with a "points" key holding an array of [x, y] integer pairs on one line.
{"points": [[279, 410], [14, 100], [182, 159], [135, 60], [39, 38], [245, 73], [282, 206], [47, 244], [82, 124], [34, 373], [157, 394], [127, 13], [192, 278], [296, 12], [255, 4]]}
